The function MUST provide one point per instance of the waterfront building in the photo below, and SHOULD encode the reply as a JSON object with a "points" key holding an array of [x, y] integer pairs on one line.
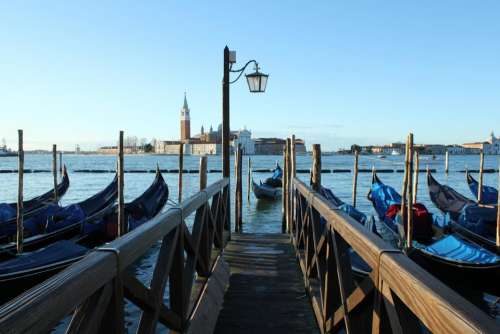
{"points": [[491, 146], [185, 121], [275, 146]]}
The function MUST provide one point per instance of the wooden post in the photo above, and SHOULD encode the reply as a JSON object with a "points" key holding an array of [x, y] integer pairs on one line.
{"points": [[293, 173], [20, 206], [54, 170], [409, 227], [122, 228], [355, 178], [446, 161], [225, 135], [283, 189], [286, 176], [481, 169], [316, 168], [415, 178], [405, 185], [181, 170], [238, 200], [498, 209], [203, 172], [293, 156], [249, 179], [60, 164]]}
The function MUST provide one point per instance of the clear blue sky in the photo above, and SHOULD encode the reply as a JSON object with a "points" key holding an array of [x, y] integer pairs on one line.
{"points": [[341, 72]]}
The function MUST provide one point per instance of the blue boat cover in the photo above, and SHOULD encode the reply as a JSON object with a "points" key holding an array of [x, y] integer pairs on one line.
{"points": [[68, 215], [489, 194], [383, 196], [457, 249], [56, 252], [278, 173], [479, 219], [6, 212]]}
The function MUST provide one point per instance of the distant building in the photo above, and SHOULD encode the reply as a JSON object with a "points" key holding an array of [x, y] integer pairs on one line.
{"points": [[114, 150], [204, 143], [275, 146], [458, 150], [491, 146]]}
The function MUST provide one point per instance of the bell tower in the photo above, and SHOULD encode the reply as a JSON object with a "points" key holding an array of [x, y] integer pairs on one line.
{"points": [[185, 121]]}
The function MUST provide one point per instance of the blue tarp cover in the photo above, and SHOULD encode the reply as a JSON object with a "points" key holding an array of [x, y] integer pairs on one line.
{"points": [[6, 212], [383, 196], [278, 173], [56, 252], [457, 249], [489, 194], [479, 219]]}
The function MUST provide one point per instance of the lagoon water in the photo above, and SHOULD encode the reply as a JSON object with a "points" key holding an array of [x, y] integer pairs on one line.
{"points": [[258, 216]]}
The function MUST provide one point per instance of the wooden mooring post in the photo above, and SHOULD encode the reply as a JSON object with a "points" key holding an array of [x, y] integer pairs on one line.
{"points": [[20, 187], [409, 226], [60, 163], [498, 211], [122, 228], [286, 178], [283, 190], [316, 167], [181, 169], [446, 161], [203, 172], [355, 178], [238, 198], [415, 177], [405, 184], [481, 171], [249, 179], [54, 170]]}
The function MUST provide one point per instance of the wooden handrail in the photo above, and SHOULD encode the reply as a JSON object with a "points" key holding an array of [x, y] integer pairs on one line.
{"points": [[42, 308], [397, 288]]}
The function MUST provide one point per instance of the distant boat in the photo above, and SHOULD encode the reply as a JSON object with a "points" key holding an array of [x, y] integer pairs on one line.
{"points": [[4, 152], [395, 152], [381, 156]]}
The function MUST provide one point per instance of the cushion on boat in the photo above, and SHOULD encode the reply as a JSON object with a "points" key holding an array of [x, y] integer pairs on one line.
{"points": [[455, 248], [422, 221], [58, 251]]}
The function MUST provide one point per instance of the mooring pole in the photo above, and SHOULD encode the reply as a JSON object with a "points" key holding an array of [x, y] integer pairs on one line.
{"points": [[498, 210], [316, 168], [283, 190], [446, 161], [60, 164], [415, 177], [409, 228], [481, 170], [20, 206], [225, 136], [54, 170], [249, 179], [122, 228], [181, 170], [237, 197], [286, 176], [355, 178], [405, 184], [293, 164], [203, 172]]}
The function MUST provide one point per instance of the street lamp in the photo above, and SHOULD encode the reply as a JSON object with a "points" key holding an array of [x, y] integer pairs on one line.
{"points": [[257, 83]]}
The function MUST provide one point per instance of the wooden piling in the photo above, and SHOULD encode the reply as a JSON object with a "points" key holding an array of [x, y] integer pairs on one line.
{"points": [[405, 185], [286, 177], [122, 228], [54, 170], [481, 170], [355, 178], [293, 156], [20, 206], [203, 172], [409, 227], [238, 200], [498, 210], [60, 164], [446, 161], [415, 176], [249, 179], [181, 169], [316, 167], [283, 190]]}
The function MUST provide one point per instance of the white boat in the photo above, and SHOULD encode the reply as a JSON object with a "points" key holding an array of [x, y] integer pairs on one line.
{"points": [[394, 152]]}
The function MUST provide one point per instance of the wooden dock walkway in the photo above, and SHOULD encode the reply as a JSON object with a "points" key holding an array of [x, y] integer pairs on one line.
{"points": [[266, 289]]}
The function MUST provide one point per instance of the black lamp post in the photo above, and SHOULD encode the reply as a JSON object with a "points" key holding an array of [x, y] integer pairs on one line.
{"points": [[257, 82]]}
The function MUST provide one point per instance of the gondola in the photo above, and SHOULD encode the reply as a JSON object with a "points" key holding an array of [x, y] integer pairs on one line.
{"points": [[271, 187], [474, 221], [25, 271], [8, 211], [57, 223], [451, 257], [360, 268], [489, 195]]}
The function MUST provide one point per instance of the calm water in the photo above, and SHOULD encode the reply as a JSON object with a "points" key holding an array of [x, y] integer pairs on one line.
{"points": [[258, 216]]}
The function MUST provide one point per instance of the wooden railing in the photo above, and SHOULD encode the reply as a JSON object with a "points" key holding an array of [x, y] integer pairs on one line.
{"points": [[93, 290], [397, 296]]}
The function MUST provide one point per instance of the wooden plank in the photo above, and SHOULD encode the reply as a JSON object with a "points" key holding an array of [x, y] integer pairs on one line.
{"points": [[204, 316]]}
